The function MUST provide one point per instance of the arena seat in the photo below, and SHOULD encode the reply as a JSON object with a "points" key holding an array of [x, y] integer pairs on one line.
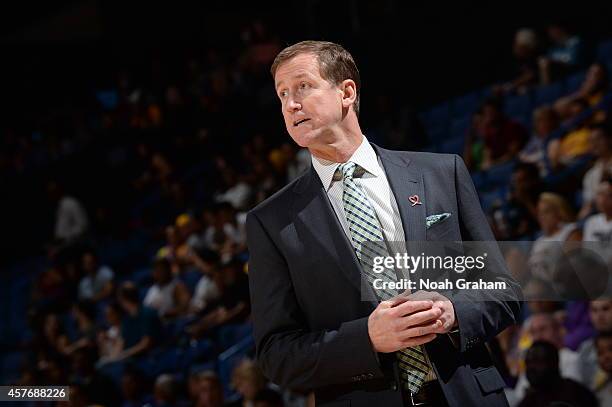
{"points": [[547, 94], [467, 104], [518, 105], [573, 82]]}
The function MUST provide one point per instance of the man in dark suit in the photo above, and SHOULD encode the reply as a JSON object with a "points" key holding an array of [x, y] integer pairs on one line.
{"points": [[314, 328]]}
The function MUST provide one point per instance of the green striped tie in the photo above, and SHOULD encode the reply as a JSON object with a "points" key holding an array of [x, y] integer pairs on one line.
{"points": [[368, 240]]}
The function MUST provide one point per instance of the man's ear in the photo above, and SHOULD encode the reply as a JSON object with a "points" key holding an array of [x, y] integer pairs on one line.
{"points": [[349, 92]]}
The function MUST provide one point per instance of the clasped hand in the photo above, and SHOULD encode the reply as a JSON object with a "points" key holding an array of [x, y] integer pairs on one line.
{"points": [[410, 320]]}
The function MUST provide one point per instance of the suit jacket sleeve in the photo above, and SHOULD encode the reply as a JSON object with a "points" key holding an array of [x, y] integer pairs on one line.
{"points": [[482, 314], [289, 353]]}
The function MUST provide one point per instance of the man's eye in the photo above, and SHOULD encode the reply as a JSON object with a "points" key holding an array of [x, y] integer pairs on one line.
{"points": [[303, 85], [283, 93]]}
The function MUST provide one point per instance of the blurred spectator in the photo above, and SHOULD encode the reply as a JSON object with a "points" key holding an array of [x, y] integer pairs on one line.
{"points": [[555, 217], [598, 227], [210, 392], [547, 386], [600, 143], [206, 290], [565, 54], [565, 151], [603, 383], [97, 283], [248, 381], [50, 287], [545, 327], [84, 313], [526, 51], [52, 341], [234, 303], [235, 190], [109, 340], [545, 122], [168, 295], [594, 87], [226, 234], [187, 229], [517, 216], [71, 220], [132, 389], [503, 137], [600, 312], [165, 392], [139, 328], [174, 248]]}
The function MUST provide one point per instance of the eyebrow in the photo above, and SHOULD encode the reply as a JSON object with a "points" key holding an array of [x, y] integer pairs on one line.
{"points": [[298, 76]]}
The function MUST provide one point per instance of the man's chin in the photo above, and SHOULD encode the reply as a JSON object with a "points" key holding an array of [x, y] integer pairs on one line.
{"points": [[305, 139]]}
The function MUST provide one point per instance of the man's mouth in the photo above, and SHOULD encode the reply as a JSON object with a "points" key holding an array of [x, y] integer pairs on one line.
{"points": [[298, 122]]}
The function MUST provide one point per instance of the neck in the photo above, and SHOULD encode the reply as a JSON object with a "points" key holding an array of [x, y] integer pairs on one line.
{"points": [[339, 144]]}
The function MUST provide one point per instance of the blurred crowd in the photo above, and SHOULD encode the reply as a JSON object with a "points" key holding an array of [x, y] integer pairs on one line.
{"points": [[142, 297], [555, 197]]}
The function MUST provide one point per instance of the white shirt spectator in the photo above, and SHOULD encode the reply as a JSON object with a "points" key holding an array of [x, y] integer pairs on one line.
{"points": [[205, 291], [71, 219], [231, 232], [598, 229], [238, 195], [161, 298], [592, 178], [110, 342], [90, 286]]}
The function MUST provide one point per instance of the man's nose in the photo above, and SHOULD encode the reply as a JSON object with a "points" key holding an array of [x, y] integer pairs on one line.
{"points": [[293, 105]]}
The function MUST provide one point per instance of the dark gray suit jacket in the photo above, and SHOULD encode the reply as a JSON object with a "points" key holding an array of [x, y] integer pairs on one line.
{"points": [[310, 323]]}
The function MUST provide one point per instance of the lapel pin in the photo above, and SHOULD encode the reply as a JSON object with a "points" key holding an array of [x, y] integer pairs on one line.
{"points": [[415, 200]]}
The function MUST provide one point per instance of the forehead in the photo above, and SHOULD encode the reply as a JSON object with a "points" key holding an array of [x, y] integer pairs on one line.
{"points": [[601, 304], [604, 188], [604, 343], [300, 66], [541, 322]]}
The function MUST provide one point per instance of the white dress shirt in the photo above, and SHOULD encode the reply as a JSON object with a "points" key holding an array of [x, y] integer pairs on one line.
{"points": [[373, 183]]}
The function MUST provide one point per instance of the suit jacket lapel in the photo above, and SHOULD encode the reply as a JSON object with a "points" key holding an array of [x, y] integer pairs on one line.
{"points": [[313, 210], [406, 181]]}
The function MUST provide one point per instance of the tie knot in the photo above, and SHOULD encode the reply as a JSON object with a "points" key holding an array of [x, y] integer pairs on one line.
{"points": [[348, 170]]}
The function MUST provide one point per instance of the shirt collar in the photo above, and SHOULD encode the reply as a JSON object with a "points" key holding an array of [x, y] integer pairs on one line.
{"points": [[364, 156]]}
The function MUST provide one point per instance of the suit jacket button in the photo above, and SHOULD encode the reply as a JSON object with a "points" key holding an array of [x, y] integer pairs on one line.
{"points": [[394, 386]]}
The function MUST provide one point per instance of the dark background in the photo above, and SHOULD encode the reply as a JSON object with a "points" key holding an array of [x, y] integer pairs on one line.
{"points": [[413, 54]]}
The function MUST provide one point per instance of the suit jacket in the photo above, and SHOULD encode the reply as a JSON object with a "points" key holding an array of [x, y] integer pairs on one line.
{"points": [[310, 323]]}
